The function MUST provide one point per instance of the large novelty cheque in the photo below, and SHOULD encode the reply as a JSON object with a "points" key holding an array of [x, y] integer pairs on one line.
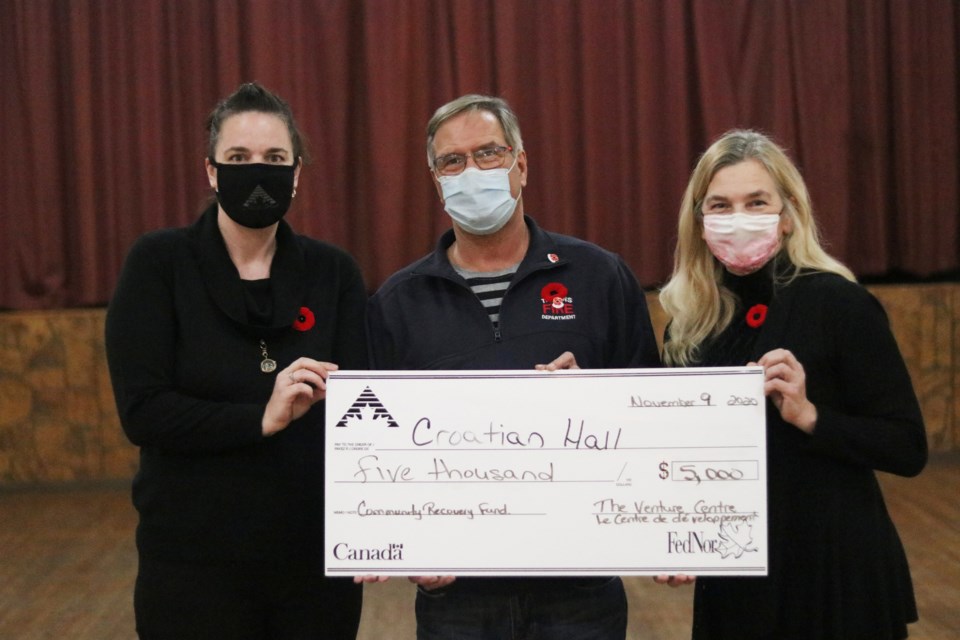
{"points": [[585, 472]]}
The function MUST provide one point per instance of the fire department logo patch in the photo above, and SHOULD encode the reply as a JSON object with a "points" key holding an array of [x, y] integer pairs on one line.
{"points": [[556, 302]]}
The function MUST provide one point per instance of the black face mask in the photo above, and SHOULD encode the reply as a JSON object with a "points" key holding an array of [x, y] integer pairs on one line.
{"points": [[254, 195]]}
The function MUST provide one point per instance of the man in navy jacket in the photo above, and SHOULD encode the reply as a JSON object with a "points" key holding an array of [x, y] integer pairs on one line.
{"points": [[498, 292]]}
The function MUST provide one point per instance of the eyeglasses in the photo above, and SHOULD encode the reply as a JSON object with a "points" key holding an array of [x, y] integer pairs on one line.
{"points": [[452, 164]]}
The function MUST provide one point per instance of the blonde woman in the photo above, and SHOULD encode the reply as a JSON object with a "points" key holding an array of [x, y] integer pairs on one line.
{"points": [[752, 284]]}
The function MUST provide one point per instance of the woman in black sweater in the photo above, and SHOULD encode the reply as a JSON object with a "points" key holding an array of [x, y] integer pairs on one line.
{"points": [[219, 339], [751, 284]]}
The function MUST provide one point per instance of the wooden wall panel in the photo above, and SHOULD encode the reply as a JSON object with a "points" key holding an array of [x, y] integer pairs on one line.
{"points": [[925, 321], [58, 422]]}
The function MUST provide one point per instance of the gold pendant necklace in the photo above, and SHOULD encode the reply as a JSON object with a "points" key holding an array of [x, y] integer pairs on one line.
{"points": [[267, 365]]}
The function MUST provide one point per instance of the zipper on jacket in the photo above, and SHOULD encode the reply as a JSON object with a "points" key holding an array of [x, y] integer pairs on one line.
{"points": [[497, 333]]}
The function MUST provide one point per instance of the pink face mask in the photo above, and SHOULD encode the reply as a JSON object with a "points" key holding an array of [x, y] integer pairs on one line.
{"points": [[743, 242]]}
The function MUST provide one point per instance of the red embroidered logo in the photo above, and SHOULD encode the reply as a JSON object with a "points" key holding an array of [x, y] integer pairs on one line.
{"points": [[305, 320], [556, 303]]}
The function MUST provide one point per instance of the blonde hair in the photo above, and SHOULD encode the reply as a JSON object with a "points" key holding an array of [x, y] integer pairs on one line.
{"points": [[697, 304]]}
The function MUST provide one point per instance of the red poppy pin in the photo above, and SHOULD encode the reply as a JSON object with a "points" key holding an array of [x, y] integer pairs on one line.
{"points": [[305, 320], [553, 291], [757, 315]]}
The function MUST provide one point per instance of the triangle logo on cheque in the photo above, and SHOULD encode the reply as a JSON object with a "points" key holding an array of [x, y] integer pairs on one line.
{"points": [[367, 408]]}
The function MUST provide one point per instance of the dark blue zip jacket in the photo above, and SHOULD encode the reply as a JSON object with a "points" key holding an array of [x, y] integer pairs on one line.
{"points": [[567, 295]]}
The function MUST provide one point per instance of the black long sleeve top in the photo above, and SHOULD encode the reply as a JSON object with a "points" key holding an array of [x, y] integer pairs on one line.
{"points": [[837, 569], [184, 354]]}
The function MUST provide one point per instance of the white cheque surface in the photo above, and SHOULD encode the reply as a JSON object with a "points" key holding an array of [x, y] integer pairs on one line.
{"points": [[589, 472]]}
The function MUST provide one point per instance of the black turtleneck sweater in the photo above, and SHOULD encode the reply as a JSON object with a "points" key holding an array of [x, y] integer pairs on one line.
{"points": [[734, 346], [837, 569]]}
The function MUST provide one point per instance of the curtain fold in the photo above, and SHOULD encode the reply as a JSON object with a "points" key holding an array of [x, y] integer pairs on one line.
{"points": [[104, 103]]}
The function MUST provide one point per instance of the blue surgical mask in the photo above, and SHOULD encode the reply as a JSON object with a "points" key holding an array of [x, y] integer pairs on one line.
{"points": [[479, 200]]}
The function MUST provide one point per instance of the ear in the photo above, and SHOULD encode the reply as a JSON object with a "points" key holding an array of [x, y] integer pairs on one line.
{"points": [[786, 225], [522, 167], [211, 173], [436, 185], [296, 172]]}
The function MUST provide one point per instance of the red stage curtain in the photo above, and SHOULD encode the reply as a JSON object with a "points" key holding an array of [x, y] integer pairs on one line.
{"points": [[103, 103]]}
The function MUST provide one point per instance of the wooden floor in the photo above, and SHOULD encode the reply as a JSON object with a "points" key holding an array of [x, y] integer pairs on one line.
{"points": [[67, 565]]}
